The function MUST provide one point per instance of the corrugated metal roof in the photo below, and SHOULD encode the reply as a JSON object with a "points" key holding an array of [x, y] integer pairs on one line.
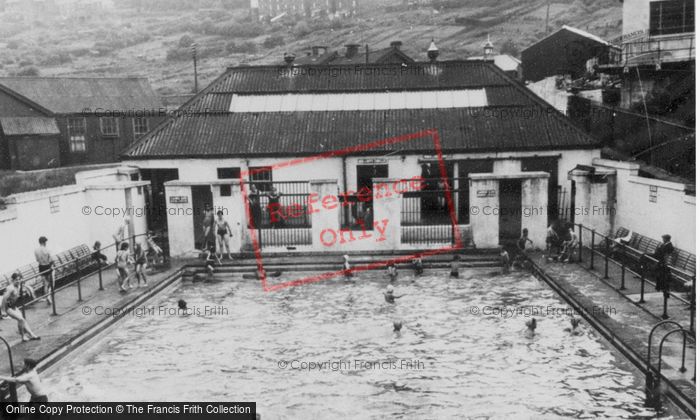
{"points": [[15, 126], [293, 133], [366, 77], [515, 118], [74, 95]]}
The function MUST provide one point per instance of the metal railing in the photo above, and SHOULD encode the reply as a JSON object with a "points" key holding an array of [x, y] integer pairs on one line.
{"points": [[78, 265], [653, 49], [602, 246]]}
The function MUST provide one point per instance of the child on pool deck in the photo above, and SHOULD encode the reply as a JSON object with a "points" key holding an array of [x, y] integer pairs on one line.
{"points": [[210, 260], [418, 266], [505, 260], [347, 268]]}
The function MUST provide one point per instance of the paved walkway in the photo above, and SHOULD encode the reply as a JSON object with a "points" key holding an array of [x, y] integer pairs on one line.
{"points": [[73, 317], [627, 319]]}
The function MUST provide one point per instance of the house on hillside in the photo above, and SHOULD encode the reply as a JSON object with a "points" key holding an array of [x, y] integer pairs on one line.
{"points": [[354, 54], [268, 9], [499, 143], [50, 121], [568, 51]]}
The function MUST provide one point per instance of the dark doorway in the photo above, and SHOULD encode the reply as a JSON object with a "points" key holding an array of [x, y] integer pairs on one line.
{"points": [[551, 166], [433, 198], [359, 210], [201, 197], [155, 198], [365, 173], [466, 167], [510, 210]]}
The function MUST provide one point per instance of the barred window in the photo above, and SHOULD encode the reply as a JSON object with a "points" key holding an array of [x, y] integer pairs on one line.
{"points": [[76, 135], [109, 126]]}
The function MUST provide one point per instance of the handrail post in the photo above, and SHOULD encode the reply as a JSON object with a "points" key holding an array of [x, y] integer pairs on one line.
{"points": [[665, 314], [80, 276], [592, 247], [607, 252], [53, 297], [692, 309], [622, 278], [641, 292], [580, 243], [99, 273], [682, 368]]}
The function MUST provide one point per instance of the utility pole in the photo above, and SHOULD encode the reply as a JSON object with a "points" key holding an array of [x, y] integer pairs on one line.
{"points": [[546, 25], [194, 58]]}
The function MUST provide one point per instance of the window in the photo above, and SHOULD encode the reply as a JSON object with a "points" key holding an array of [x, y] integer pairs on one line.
{"points": [[76, 135], [671, 17], [262, 176], [54, 204], [228, 173], [225, 190], [140, 126], [109, 126]]}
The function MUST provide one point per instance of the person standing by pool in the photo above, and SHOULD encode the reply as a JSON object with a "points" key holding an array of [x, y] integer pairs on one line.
{"points": [[254, 204], [417, 266], [454, 267], [347, 268], [140, 265], [661, 254], [274, 203], [45, 260], [210, 260], [207, 223], [391, 271], [30, 379], [9, 306], [121, 234], [123, 260], [223, 232], [155, 253], [570, 245]]}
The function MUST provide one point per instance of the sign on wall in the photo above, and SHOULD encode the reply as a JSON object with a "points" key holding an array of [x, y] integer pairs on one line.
{"points": [[485, 193], [179, 199]]}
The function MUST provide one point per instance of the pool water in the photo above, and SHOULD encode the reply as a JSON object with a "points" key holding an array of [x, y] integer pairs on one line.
{"points": [[457, 363]]}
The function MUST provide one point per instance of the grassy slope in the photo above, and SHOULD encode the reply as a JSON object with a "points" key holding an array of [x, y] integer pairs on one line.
{"points": [[519, 20]]}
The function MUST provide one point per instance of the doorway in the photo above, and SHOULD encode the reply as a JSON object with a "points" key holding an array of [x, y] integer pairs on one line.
{"points": [[201, 197], [510, 211], [155, 198], [364, 210]]}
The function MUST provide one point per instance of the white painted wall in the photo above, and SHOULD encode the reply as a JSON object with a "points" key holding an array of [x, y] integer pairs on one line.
{"points": [[29, 216], [204, 170], [635, 16], [673, 213]]}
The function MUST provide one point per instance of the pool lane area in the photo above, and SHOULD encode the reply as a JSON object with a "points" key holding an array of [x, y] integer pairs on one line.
{"points": [[329, 350]]}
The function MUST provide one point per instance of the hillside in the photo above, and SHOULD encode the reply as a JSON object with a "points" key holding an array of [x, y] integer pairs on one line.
{"points": [[134, 40]]}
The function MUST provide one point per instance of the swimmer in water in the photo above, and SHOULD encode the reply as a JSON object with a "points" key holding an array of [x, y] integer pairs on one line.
{"points": [[531, 326], [417, 266], [454, 267], [347, 268], [389, 295], [397, 326], [391, 271], [575, 322], [30, 379], [182, 305]]}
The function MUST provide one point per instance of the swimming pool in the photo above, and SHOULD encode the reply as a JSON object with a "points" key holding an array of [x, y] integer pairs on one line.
{"points": [[252, 346]]}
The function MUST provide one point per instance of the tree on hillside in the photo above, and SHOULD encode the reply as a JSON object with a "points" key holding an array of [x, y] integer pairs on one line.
{"points": [[185, 41], [510, 47]]}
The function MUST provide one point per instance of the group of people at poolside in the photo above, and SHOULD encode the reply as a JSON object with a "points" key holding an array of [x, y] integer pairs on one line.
{"points": [[131, 262], [562, 241]]}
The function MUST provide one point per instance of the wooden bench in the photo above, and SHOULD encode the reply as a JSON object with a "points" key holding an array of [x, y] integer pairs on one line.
{"points": [[681, 263], [68, 264]]}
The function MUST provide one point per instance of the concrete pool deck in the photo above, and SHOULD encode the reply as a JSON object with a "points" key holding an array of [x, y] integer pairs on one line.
{"points": [[626, 320]]}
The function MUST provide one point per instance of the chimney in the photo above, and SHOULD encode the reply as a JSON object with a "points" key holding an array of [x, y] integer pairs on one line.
{"points": [[351, 50], [289, 58], [396, 44], [433, 51], [319, 50]]}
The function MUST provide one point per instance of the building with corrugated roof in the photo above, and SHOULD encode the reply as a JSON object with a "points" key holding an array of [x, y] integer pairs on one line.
{"points": [[253, 118], [54, 121]]}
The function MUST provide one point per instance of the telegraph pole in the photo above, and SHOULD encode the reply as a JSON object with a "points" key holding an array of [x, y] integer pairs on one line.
{"points": [[194, 58]]}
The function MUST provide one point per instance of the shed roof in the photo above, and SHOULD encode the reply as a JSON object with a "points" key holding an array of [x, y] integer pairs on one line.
{"points": [[16, 126], [70, 95]]}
